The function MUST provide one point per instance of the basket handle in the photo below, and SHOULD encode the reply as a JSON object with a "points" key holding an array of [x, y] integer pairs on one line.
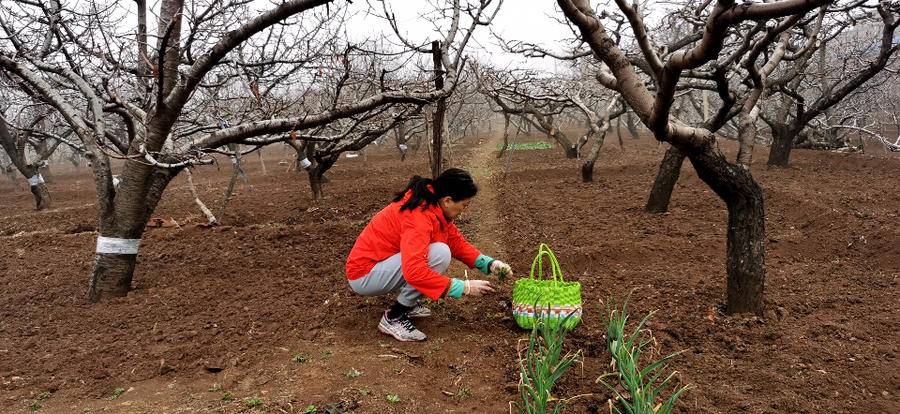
{"points": [[538, 264]]}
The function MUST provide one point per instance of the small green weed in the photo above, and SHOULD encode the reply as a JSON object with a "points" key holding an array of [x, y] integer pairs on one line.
{"points": [[463, 393], [393, 398], [300, 358], [353, 373], [117, 393], [36, 404], [502, 274], [311, 409], [252, 401], [227, 396]]}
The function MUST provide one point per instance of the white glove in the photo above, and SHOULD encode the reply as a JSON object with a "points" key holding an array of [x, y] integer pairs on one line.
{"points": [[476, 287], [499, 268]]}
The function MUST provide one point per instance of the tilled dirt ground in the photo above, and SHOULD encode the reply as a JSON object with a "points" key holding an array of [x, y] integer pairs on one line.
{"points": [[258, 308]]}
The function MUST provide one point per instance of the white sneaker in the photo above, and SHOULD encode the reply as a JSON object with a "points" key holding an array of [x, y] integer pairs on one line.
{"points": [[402, 329], [419, 312]]}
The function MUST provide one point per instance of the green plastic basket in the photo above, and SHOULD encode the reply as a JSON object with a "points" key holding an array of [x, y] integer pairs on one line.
{"points": [[555, 300]]}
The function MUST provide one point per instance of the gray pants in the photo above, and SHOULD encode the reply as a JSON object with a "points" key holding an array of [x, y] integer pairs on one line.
{"points": [[387, 276]]}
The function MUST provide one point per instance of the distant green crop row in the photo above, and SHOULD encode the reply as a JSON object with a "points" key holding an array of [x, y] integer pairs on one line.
{"points": [[527, 146]]}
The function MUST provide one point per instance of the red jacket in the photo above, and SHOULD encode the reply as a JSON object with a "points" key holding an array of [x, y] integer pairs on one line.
{"points": [[409, 233]]}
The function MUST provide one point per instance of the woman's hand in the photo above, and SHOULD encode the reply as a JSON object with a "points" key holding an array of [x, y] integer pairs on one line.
{"points": [[501, 269], [477, 287]]}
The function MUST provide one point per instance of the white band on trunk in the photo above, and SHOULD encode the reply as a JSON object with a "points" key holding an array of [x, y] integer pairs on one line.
{"points": [[112, 245], [403, 147], [35, 180], [305, 163]]}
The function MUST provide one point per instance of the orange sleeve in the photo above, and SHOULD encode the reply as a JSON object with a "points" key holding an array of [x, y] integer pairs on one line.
{"points": [[460, 248], [415, 237]]}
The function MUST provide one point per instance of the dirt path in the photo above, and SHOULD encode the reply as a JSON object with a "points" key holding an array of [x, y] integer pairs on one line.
{"points": [[485, 217]]}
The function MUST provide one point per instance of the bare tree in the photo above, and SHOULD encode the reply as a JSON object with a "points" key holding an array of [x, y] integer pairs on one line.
{"points": [[854, 49], [405, 132], [16, 146], [162, 95], [598, 125], [447, 55], [526, 95], [549, 103], [797, 40], [733, 184], [467, 108]]}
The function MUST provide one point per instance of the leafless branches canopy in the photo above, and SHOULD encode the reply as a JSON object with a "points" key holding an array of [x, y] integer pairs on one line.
{"points": [[167, 95], [745, 53], [168, 85]]}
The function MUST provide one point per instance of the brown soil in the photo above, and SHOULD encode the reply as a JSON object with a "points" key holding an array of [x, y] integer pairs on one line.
{"points": [[224, 311]]}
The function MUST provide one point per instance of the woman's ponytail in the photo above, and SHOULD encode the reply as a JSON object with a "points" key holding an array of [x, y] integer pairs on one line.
{"points": [[420, 193], [454, 182]]}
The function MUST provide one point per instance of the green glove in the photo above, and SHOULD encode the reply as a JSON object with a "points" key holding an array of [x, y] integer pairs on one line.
{"points": [[456, 288], [483, 263], [474, 287]]}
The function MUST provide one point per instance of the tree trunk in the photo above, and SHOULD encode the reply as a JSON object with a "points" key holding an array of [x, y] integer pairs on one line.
{"points": [[17, 156], [113, 272], [437, 145], [298, 161], [630, 124], [429, 131], [745, 251], [587, 169], [745, 246], [41, 196], [317, 178], [123, 214], [11, 174], [669, 170], [505, 136], [315, 183], [262, 163], [780, 152], [229, 192], [619, 127], [401, 138], [44, 165], [111, 276], [747, 136]]}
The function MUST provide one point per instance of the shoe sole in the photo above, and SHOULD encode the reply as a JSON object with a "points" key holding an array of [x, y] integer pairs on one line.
{"points": [[418, 316], [399, 338]]}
